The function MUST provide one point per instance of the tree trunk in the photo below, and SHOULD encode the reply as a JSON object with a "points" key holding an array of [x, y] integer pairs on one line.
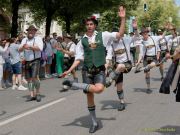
{"points": [[48, 22], [15, 8], [68, 23]]}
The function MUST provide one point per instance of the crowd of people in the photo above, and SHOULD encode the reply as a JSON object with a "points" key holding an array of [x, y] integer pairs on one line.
{"points": [[25, 59], [106, 56]]}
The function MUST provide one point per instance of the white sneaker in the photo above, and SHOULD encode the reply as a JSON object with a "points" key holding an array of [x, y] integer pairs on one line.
{"points": [[24, 81], [14, 87], [22, 88], [55, 74], [47, 76]]}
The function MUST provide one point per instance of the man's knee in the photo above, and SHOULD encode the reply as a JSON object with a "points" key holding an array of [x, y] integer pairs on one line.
{"points": [[99, 89]]}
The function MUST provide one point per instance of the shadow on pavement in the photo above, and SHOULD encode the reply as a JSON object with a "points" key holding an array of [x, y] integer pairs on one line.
{"points": [[156, 79], [2, 113], [26, 96], [169, 130], [85, 122], [110, 104], [8, 133], [143, 89]]}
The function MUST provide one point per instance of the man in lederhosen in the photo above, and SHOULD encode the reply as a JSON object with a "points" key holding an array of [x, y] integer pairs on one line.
{"points": [[150, 53], [133, 49], [32, 47], [174, 42], [119, 52], [69, 55], [163, 44], [91, 50]]}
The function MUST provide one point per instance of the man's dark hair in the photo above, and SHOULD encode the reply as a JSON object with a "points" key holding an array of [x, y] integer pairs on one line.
{"points": [[93, 19]]}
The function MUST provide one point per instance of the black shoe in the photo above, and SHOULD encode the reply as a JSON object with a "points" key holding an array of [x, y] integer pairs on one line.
{"points": [[175, 91], [148, 91], [30, 99], [93, 128], [137, 70], [67, 83], [38, 98], [121, 107]]}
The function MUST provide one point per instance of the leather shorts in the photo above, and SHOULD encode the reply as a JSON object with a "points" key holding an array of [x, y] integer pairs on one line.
{"points": [[97, 76], [32, 68]]}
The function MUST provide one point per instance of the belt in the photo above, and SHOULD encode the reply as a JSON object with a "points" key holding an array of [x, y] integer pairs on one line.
{"points": [[164, 50], [150, 46], [34, 60], [94, 70], [150, 56], [119, 51]]}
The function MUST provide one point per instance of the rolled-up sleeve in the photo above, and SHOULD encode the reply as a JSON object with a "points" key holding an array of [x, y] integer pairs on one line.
{"points": [[79, 52], [108, 37], [39, 43], [109, 50]]}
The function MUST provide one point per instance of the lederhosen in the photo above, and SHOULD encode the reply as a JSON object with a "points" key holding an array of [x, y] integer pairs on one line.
{"points": [[68, 61], [92, 73], [149, 59], [32, 67], [163, 52], [173, 48], [128, 64]]}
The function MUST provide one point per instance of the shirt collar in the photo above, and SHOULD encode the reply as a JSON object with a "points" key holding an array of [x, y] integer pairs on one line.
{"points": [[94, 34]]}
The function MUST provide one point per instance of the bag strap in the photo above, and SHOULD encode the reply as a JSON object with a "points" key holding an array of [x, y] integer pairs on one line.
{"points": [[125, 49], [146, 47], [154, 45], [114, 53]]}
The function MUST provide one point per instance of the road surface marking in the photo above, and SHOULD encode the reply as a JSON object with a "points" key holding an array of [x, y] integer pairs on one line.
{"points": [[30, 112]]}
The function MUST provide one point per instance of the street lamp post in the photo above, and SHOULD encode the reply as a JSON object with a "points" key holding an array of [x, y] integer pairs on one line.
{"points": [[151, 23]]}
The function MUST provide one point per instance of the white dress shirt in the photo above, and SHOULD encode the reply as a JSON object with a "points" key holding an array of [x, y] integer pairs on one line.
{"points": [[174, 42], [2, 51], [152, 40], [120, 44], [29, 54], [106, 36], [72, 48]]}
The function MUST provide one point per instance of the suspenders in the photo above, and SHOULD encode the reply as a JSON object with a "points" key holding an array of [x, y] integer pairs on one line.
{"points": [[124, 48], [154, 46], [177, 43], [167, 48]]}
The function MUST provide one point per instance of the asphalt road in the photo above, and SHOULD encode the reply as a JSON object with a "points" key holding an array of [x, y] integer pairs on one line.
{"points": [[65, 113]]}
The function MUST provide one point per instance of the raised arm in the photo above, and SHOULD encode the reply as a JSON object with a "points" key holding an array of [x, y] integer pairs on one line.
{"points": [[122, 15]]}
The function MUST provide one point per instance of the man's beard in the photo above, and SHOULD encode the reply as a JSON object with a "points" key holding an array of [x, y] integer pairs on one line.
{"points": [[30, 36]]}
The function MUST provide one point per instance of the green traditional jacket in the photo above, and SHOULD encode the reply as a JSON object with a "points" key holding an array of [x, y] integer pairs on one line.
{"points": [[95, 56]]}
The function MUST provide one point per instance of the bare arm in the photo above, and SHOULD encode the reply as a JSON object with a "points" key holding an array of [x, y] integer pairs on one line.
{"points": [[68, 52], [74, 65], [2, 50], [122, 15]]}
